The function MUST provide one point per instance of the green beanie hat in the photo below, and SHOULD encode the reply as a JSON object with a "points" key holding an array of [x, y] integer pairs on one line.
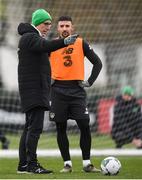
{"points": [[39, 16], [128, 90]]}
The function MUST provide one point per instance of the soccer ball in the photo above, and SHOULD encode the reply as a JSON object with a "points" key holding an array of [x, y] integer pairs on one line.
{"points": [[110, 166]]}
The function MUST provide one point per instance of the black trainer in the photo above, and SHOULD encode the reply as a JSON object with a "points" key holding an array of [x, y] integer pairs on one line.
{"points": [[38, 169], [22, 169], [5, 144]]}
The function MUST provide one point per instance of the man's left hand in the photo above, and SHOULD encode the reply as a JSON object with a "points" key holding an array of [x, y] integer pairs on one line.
{"points": [[84, 84]]}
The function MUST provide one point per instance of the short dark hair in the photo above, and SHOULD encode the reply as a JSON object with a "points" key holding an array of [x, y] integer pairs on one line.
{"points": [[65, 18]]}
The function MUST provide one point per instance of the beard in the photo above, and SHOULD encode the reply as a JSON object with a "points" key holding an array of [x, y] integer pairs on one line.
{"points": [[65, 34]]}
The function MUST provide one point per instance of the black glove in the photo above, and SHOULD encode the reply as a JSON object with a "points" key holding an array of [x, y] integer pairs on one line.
{"points": [[84, 84], [70, 39]]}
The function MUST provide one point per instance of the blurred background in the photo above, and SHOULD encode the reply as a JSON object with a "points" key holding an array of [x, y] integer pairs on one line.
{"points": [[114, 30]]}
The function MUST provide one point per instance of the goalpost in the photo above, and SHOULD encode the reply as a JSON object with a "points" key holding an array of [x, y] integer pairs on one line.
{"points": [[113, 28]]}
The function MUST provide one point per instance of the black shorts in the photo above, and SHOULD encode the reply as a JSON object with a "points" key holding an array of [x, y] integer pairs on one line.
{"points": [[64, 106]]}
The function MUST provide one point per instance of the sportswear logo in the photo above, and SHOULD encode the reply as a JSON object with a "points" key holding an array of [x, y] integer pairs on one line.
{"points": [[24, 166], [39, 170], [90, 47], [86, 111], [52, 115]]}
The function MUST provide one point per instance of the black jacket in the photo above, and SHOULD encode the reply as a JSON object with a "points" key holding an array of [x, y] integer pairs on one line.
{"points": [[34, 68], [127, 121]]}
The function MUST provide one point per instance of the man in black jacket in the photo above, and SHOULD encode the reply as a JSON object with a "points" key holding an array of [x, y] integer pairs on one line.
{"points": [[34, 84], [68, 97], [127, 119]]}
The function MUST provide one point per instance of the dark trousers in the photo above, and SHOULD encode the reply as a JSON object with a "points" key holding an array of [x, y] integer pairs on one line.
{"points": [[85, 139], [30, 136]]}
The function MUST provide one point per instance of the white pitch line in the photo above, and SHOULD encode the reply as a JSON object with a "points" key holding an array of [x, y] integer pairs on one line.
{"points": [[76, 152]]}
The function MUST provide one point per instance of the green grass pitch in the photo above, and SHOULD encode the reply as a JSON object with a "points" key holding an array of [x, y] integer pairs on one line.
{"points": [[131, 169], [131, 166]]}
